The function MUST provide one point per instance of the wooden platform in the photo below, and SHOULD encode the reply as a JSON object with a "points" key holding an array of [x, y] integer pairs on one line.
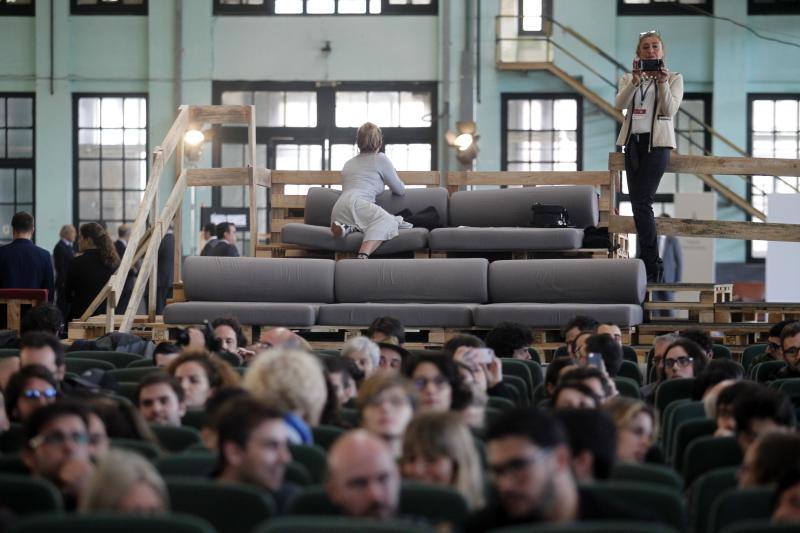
{"points": [[690, 302], [756, 312], [730, 334], [95, 327]]}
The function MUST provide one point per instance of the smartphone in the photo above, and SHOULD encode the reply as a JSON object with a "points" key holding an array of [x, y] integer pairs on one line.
{"points": [[483, 356], [594, 359]]}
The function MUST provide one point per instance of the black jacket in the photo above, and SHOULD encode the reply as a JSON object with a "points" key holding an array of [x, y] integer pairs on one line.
{"points": [[63, 254], [86, 277], [224, 249]]}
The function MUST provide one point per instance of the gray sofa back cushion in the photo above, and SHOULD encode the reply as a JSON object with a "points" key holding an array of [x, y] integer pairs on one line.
{"points": [[249, 279], [512, 207], [612, 281], [320, 200], [412, 280]]}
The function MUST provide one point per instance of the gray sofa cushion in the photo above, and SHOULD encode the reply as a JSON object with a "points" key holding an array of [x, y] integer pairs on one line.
{"points": [[512, 207], [320, 238], [505, 239], [604, 281], [248, 313], [250, 279], [550, 315], [411, 315], [320, 200], [411, 281]]}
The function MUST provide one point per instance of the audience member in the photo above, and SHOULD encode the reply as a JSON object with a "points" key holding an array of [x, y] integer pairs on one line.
{"points": [[120, 418], [702, 339], [660, 345], [125, 482], [609, 349], [787, 498], [99, 442], [292, 382], [339, 373], [438, 448], [612, 330], [592, 439], [201, 375], [723, 407], [790, 350], [773, 350], [510, 339], [364, 353], [165, 270], [553, 372], [487, 371], [577, 348], [225, 245], [768, 458], [45, 318], [682, 359], [228, 331], [385, 327], [120, 245], [252, 440], [209, 237], [760, 411], [462, 339], [282, 338], [214, 405], [717, 371], [90, 270], [164, 353], [386, 402], [160, 399], [29, 389], [574, 395], [635, 423], [362, 476], [577, 325], [63, 254], [391, 356], [40, 348], [437, 381], [23, 265], [593, 378]]}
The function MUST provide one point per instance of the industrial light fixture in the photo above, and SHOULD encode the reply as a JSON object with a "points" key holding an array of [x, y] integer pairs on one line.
{"points": [[193, 141], [465, 141], [194, 137]]}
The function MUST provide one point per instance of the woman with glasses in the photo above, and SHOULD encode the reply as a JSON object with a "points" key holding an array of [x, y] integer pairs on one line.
{"points": [[650, 95], [387, 402], [635, 423], [29, 389], [438, 382], [683, 359]]}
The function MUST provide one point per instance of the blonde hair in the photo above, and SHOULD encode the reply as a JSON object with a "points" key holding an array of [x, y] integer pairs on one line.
{"points": [[369, 138], [623, 410], [444, 434], [381, 381], [288, 380], [646, 36], [113, 478]]}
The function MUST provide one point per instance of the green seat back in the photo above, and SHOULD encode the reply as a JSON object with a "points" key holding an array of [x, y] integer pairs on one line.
{"points": [[516, 367], [629, 354], [142, 363], [519, 385], [763, 371], [761, 526], [686, 432], [664, 503], [229, 508], [682, 411], [175, 439], [24, 495], [194, 418], [351, 416], [12, 440], [118, 359], [313, 458], [790, 386], [631, 371], [671, 390], [324, 435], [737, 505], [127, 389], [13, 464], [9, 352], [79, 366], [704, 454], [647, 473], [146, 449], [721, 351], [191, 464], [105, 522], [502, 404], [536, 357], [601, 526], [337, 524], [133, 375], [628, 387], [750, 353], [705, 490]]}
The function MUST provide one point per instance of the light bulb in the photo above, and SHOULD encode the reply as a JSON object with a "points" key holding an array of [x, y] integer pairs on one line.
{"points": [[464, 141], [194, 137]]}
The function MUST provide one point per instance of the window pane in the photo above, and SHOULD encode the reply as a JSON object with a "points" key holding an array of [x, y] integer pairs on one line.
{"points": [[383, 108], [352, 6], [88, 143], [2, 112], [111, 113], [763, 115], [786, 115], [519, 114], [20, 143], [415, 110], [2, 143], [112, 174], [89, 205], [288, 7], [89, 174], [565, 114], [518, 146], [269, 108], [409, 156], [301, 109], [135, 144], [89, 112], [237, 98], [135, 113], [112, 205], [531, 15], [6, 187], [132, 201], [135, 174], [232, 155], [20, 112], [341, 153], [351, 109], [320, 6]]}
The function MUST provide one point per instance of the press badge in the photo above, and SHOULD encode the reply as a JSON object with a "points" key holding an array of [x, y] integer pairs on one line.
{"points": [[639, 113]]}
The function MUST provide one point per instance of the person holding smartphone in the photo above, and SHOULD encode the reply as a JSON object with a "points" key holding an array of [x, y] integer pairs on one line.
{"points": [[650, 95]]}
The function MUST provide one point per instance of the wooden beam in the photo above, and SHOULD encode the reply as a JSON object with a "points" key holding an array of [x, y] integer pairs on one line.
{"points": [[288, 201], [263, 176], [527, 178], [221, 114], [713, 229], [720, 166], [217, 177], [522, 65], [332, 177]]}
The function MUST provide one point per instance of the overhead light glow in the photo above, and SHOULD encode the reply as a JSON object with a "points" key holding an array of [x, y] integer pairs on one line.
{"points": [[464, 141], [194, 137]]}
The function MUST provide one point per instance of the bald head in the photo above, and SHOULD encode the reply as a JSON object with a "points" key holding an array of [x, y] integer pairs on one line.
{"points": [[362, 476], [278, 337]]}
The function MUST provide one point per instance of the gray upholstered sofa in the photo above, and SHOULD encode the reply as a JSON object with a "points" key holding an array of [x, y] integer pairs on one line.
{"points": [[499, 219], [315, 233], [424, 293]]}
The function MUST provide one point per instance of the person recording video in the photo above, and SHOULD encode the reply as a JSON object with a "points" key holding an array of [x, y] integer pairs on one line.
{"points": [[650, 95]]}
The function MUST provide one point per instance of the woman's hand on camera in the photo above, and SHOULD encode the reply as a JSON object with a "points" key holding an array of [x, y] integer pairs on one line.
{"points": [[662, 75], [636, 72]]}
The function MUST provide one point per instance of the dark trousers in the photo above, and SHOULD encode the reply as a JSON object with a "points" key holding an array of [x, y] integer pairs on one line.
{"points": [[644, 171]]}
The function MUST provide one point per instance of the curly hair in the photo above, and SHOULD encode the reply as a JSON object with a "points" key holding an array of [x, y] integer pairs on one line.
{"points": [[100, 239], [218, 372]]}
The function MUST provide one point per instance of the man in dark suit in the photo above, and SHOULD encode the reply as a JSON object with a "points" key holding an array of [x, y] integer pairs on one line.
{"points": [[121, 244], [226, 241], [23, 265], [210, 238], [669, 249], [63, 254], [166, 257]]}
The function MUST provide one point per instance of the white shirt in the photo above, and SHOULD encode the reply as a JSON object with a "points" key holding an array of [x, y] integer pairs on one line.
{"points": [[641, 122]]}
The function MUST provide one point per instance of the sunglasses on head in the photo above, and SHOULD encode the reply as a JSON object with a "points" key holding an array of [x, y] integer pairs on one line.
{"points": [[650, 32]]}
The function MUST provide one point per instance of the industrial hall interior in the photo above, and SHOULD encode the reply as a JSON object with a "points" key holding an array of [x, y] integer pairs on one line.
{"points": [[395, 266]]}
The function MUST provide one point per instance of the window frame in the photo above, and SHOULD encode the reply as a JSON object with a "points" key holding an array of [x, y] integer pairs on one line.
{"points": [[751, 97], [108, 9], [775, 9], [22, 163], [661, 9], [17, 10], [268, 9], [504, 99], [547, 13], [76, 148]]}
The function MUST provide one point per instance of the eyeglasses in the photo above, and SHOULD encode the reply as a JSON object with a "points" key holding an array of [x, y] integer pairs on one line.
{"points": [[36, 394], [78, 437], [393, 400], [774, 346], [438, 382], [791, 352], [515, 466], [680, 362], [650, 32]]}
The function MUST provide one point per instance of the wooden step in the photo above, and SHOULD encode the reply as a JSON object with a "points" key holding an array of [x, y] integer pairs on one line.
{"points": [[756, 312]]}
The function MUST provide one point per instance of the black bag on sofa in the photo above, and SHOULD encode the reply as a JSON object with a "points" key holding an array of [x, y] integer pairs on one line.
{"points": [[549, 216], [594, 237], [428, 218]]}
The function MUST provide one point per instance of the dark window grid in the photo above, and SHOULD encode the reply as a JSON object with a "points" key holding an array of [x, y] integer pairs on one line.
{"points": [[775, 7], [552, 148], [663, 8], [13, 9], [547, 15], [506, 97], [17, 164], [106, 8], [78, 190], [268, 8]]}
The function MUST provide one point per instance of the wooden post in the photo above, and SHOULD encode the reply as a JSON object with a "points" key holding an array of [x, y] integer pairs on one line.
{"points": [[153, 292], [178, 232], [251, 137]]}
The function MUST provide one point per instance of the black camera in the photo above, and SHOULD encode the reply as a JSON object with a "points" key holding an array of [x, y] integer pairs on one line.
{"points": [[650, 65]]}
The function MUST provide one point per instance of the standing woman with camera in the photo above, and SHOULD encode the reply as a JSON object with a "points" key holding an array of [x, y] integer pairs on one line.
{"points": [[651, 96]]}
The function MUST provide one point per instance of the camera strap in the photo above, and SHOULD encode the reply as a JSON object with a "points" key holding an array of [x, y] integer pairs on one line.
{"points": [[643, 91]]}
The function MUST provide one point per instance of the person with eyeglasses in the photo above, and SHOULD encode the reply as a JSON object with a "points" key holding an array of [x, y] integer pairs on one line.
{"points": [[56, 448], [437, 381], [773, 351], [387, 402], [32, 387], [650, 96], [790, 351], [682, 358], [635, 422]]}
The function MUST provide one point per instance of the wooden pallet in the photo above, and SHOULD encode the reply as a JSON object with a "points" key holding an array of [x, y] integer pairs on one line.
{"points": [[730, 334], [756, 312], [95, 327], [691, 302]]}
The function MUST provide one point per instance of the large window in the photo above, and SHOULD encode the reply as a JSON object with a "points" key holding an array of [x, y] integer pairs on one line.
{"points": [[542, 132], [16, 158], [108, 7], [309, 126], [25, 8], [325, 7], [663, 7], [110, 163], [534, 16], [773, 7], [774, 132]]}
